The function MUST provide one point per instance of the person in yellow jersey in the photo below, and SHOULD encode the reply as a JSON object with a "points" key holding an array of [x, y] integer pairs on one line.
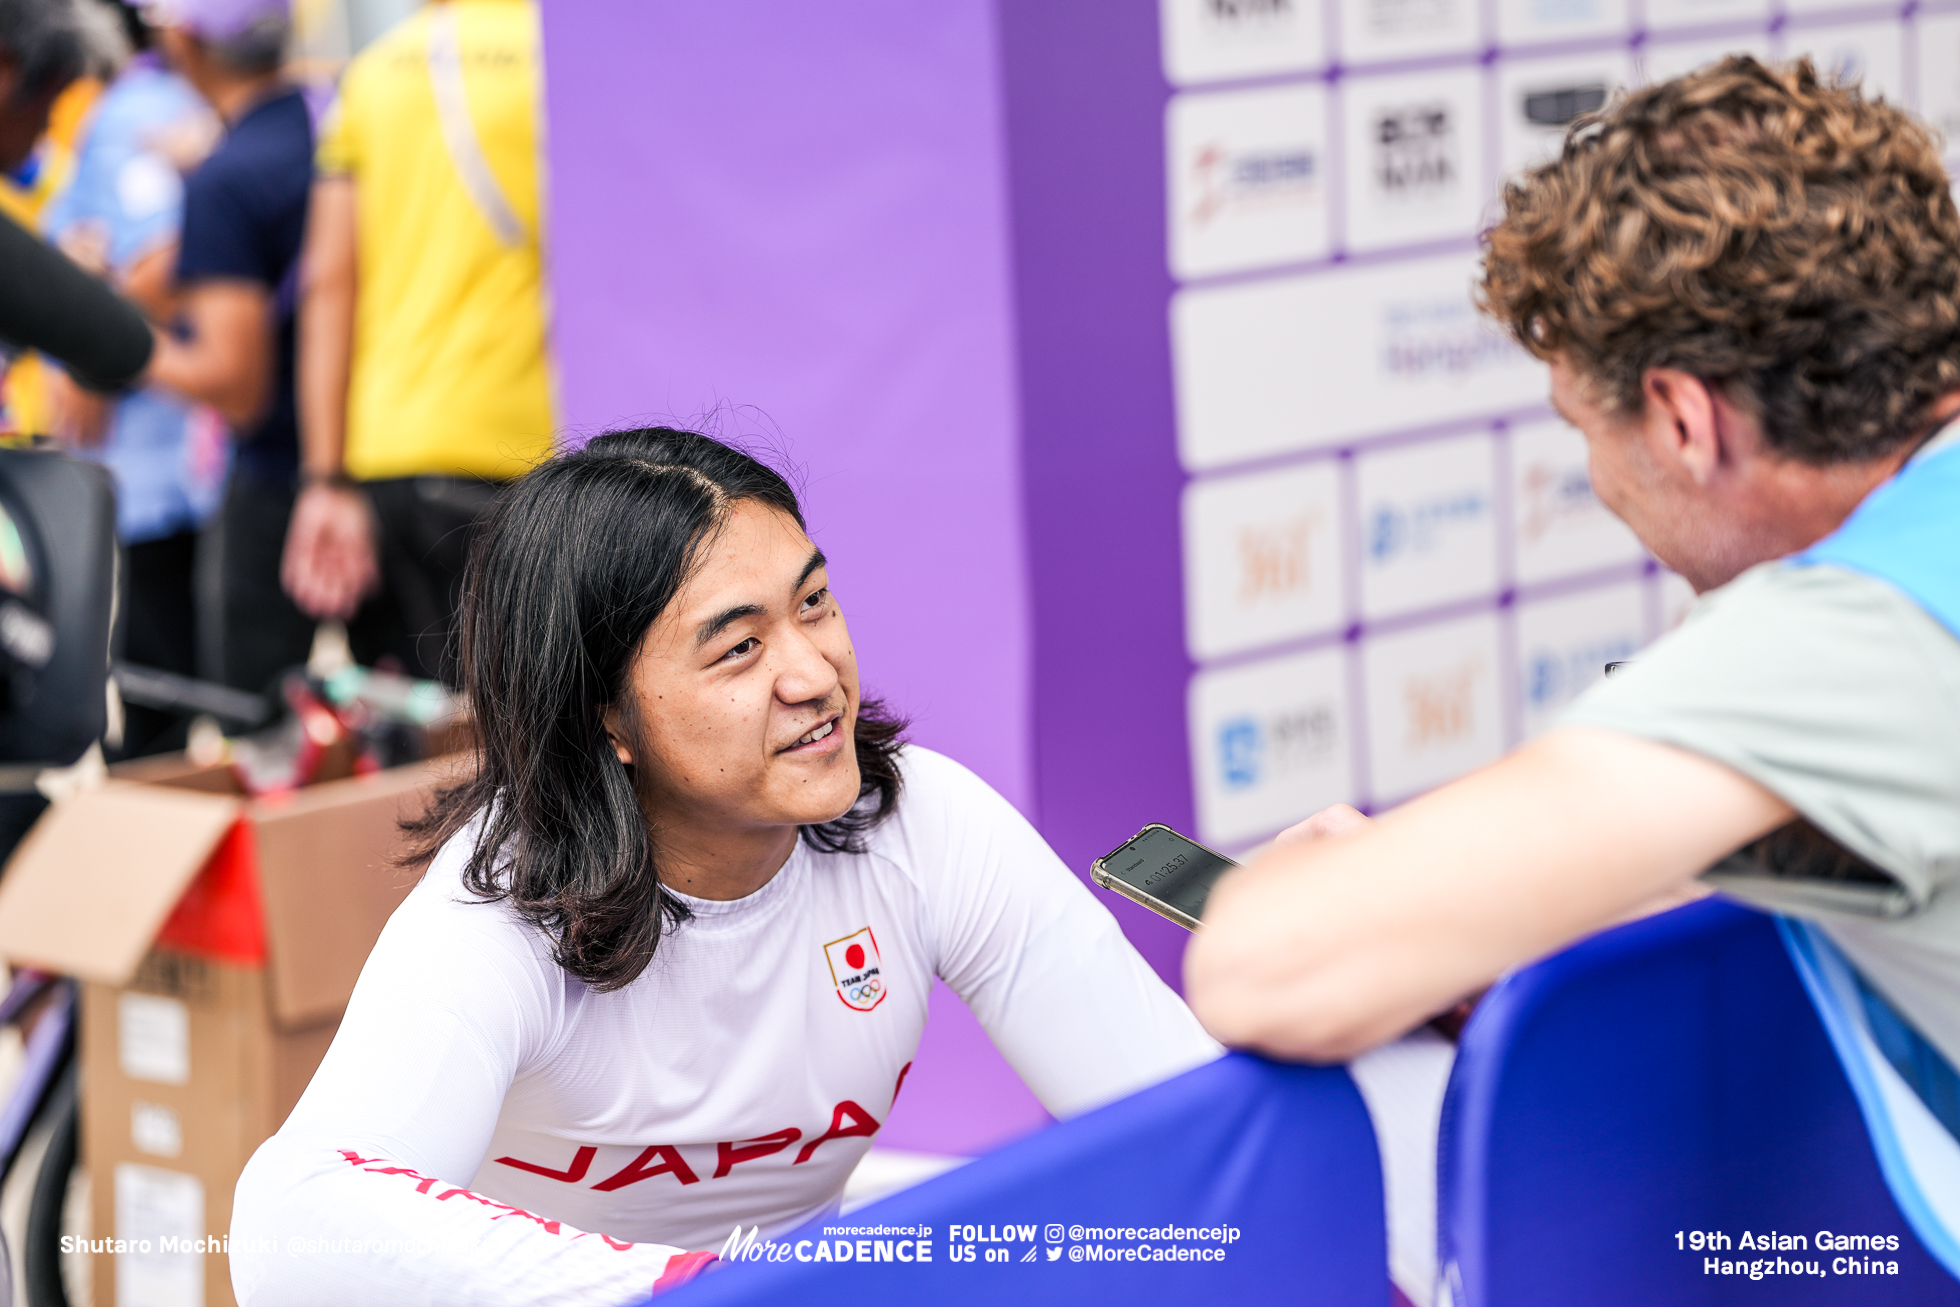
{"points": [[423, 377]]}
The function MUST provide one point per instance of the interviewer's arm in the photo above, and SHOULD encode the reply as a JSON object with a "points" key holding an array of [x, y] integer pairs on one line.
{"points": [[1322, 950]]}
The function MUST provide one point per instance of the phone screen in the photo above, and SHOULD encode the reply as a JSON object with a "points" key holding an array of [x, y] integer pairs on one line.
{"points": [[1166, 866]]}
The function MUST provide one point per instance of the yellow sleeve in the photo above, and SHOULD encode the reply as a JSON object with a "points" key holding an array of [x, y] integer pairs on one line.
{"points": [[335, 155]]}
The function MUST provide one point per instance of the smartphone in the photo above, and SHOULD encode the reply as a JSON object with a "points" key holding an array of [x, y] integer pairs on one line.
{"points": [[1165, 872]]}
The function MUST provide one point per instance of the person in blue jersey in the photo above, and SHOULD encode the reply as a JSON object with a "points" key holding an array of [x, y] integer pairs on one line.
{"points": [[119, 216], [1746, 283]]}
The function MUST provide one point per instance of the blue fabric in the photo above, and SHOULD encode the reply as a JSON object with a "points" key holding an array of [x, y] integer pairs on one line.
{"points": [[1906, 533], [245, 219], [1668, 1075], [167, 478], [1919, 1158], [1918, 1063], [1283, 1155]]}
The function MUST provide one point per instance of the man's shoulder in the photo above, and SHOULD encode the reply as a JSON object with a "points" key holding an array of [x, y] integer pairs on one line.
{"points": [[270, 150], [402, 49], [935, 782], [1820, 598], [946, 816]]}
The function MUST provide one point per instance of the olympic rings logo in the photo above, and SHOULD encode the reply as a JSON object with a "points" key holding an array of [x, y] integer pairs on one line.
{"points": [[864, 993]]}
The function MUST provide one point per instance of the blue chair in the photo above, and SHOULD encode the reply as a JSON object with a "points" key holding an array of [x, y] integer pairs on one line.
{"points": [[1663, 1080], [1283, 1154]]}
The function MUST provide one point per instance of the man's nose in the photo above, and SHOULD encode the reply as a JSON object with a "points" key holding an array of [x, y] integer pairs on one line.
{"points": [[806, 676]]}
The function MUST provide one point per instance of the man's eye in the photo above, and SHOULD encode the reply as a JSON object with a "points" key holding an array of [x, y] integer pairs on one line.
{"points": [[742, 650], [816, 599]]}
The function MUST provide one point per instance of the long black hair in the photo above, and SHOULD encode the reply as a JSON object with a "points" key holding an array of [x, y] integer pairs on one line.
{"points": [[567, 572]]}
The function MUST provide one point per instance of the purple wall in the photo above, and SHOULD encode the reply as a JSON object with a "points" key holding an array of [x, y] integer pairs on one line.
{"points": [[795, 214], [1085, 99]]}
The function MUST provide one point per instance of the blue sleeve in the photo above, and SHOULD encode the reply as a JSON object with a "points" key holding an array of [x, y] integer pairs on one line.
{"points": [[149, 204], [221, 239]]}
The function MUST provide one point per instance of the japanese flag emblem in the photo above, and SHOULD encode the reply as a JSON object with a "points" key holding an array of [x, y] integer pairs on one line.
{"points": [[854, 969]]}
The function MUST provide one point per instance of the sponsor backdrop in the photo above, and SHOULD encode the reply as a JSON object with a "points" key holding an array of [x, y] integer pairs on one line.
{"points": [[1128, 355], [1394, 567]]}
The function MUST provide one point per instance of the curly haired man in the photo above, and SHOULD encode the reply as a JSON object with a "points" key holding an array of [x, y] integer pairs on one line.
{"points": [[1746, 283]]}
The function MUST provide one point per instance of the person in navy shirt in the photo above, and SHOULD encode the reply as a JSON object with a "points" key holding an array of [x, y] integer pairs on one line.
{"points": [[237, 275]]}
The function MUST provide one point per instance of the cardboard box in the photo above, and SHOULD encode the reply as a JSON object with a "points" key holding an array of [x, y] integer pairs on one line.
{"points": [[218, 939]]}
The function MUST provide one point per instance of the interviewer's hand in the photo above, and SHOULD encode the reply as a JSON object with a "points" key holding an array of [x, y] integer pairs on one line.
{"points": [[330, 563], [1325, 824]]}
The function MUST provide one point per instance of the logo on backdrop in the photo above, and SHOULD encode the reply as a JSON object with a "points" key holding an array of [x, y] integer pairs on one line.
{"points": [[1416, 151], [1429, 338], [1407, 17], [1442, 706], [1276, 562], [1394, 529], [1253, 749], [1229, 181], [1557, 106], [854, 969], [1554, 494], [1247, 11], [1553, 677]]}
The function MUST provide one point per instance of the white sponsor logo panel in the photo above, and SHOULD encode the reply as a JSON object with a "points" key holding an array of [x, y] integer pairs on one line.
{"points": [[1938, 52], [1564, 645], [1700, 13], [1434, 706], [1521, 22], [1306, 362], [1870, 55], [1664, 60], [1538, 98], [1269, 744], [1219, 40], [1262, 559], [1373, 30], [1248, 185], [1428, 524], [1558, 526], [1415, 158]]}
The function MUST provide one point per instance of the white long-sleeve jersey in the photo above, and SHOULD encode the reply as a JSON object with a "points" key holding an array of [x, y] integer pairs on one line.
{"points": [[488, 1130]]}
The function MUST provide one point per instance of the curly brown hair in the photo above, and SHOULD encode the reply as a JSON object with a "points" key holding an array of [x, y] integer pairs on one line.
{"points": [[1781, 237]]}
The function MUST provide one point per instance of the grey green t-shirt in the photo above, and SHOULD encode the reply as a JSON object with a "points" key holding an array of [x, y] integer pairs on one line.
{"points": [[1838, 693]]}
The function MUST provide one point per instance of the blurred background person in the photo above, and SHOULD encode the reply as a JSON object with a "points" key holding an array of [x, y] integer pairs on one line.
{"points": [[237, 272], [119, 217], [424, 379], [54, 55]]}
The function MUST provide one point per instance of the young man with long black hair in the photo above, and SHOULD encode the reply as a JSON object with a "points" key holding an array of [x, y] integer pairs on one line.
{"points": [[669, 963]]}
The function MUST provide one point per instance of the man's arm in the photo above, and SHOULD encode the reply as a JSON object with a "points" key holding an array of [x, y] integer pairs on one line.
{"points": [[326, 326], [1324, 949], [329, 563], [227, 362]]}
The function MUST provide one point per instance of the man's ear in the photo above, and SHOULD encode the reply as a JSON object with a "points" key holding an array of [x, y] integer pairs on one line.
{"points": [[1683, 422], [616, 734]]}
